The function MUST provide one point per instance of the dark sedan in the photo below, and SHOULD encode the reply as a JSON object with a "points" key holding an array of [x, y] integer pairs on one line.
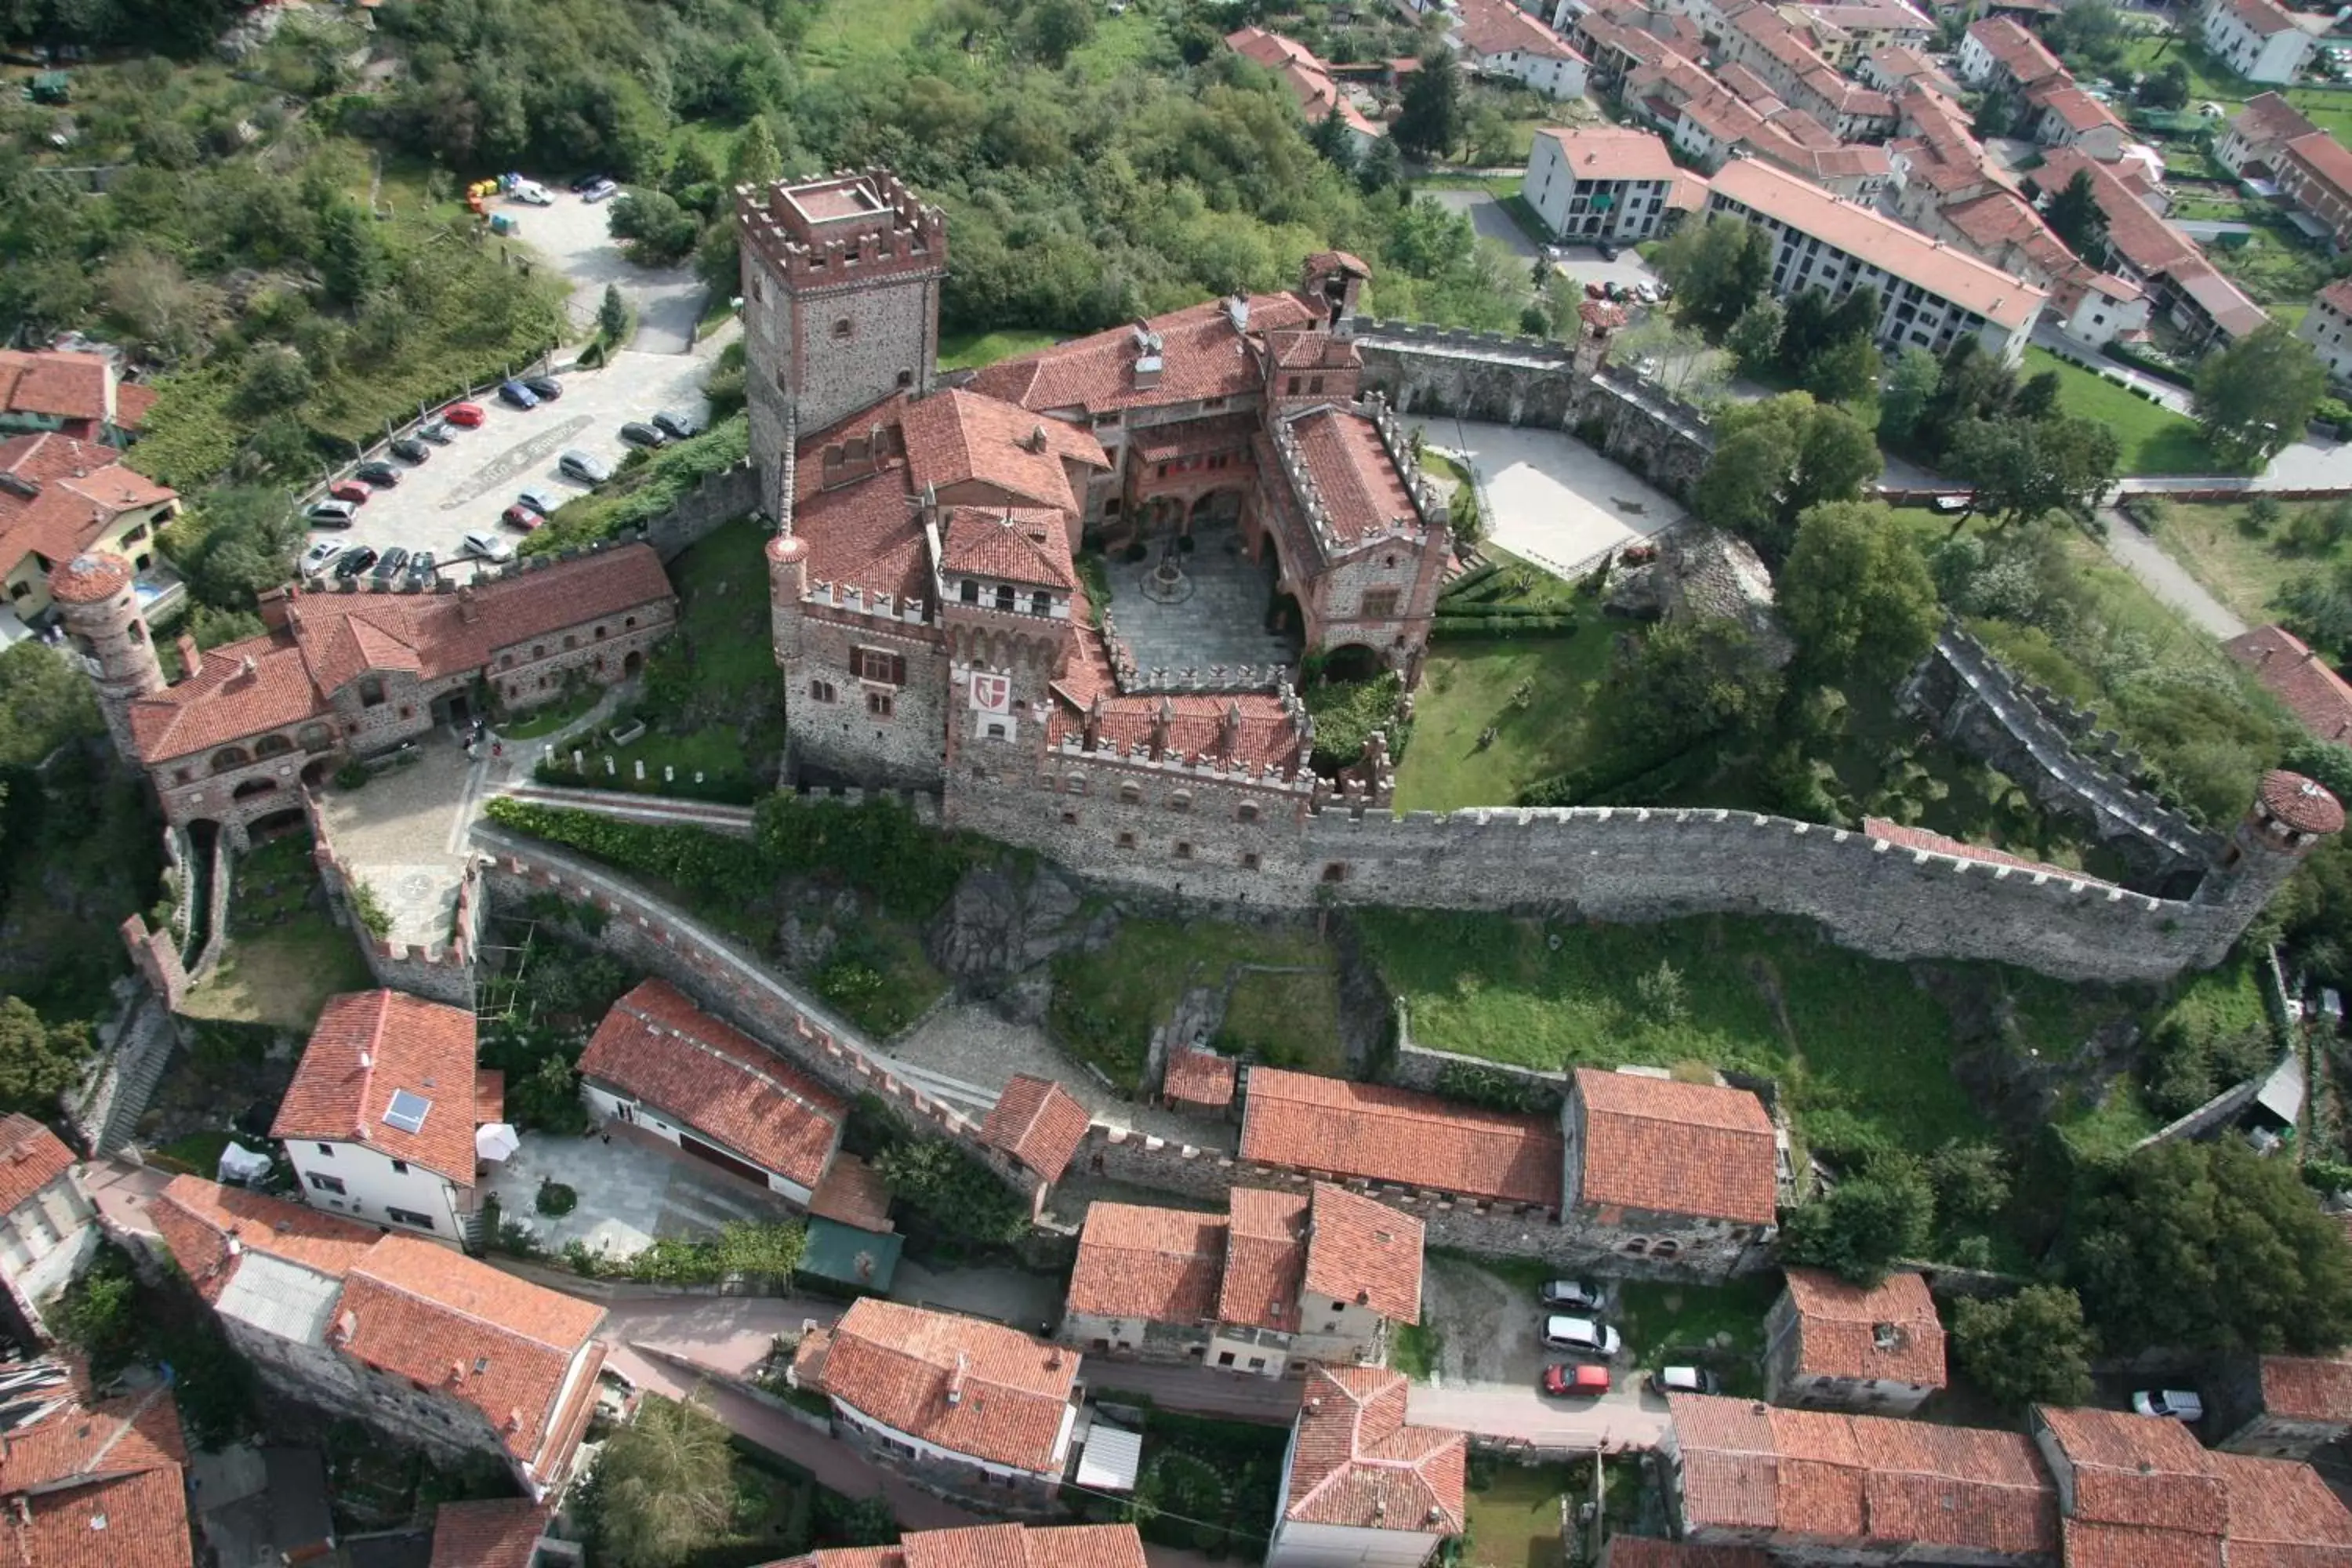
{"points": [[354, 562], [379, 473], [409, 449], [546, 388], [641, 434]]}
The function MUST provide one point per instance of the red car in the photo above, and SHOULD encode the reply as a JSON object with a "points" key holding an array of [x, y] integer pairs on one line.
{"points": [[350, 491], [1564, 1380], [466, 414], [520, 516]]}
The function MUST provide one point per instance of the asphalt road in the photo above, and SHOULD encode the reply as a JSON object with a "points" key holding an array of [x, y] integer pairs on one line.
{"points": [[576, 235]]}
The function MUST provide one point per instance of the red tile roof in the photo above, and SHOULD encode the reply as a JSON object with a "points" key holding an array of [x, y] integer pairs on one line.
{"points": [[1904, 837], [2294, 672], [1361, 1250], [1363, 495], [1038, 1123], [2308, 1388], [1498, 28], [60, 384], [2078, 109], [138, 1520], [1887, 1332], [503, 1345], [1027, 545], [1265, 1258], [1200, 351], [1676, 1148], [2118, 1546], [2282, 1515], [366, 1047], [2262, 17], [2300, 802], [2137, 1470], [1305, 75], [499, 1533], [992, 1546], [2231, 308], [1200, 1077], [80, 487], [1160, 1265], [31, 1157], [867, 534], [1383, 1134], [197, 1219], [2269, 120], [657, 1046], [81, 1437], [2152, 246], [958, 438], [853, 1193], [2019, 52], [1356, 1462], [959, 1383]]}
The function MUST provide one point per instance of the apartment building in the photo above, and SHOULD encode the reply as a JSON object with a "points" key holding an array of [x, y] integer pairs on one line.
{"points": [[2257, 38], [1997, 54], [2315, 173], [2256, 136], [2328, 328], [1604, 183], [1931, 294]]}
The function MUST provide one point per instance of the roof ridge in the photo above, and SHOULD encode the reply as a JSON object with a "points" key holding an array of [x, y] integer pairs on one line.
{"points": [[795, 1095], [362, 1268]]}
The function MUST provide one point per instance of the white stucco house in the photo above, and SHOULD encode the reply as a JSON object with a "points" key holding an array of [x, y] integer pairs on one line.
{"points": [[47, 1224], [2256, 38], [1361, 1488]]}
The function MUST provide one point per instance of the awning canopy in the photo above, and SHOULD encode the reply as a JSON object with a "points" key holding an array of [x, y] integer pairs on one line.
{"points": [[1112, 1459]]}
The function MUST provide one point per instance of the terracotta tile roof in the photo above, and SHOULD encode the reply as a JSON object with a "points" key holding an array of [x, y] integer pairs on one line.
{"points": [[1027, 545], [31, 1157], [2118, 1546], [1854, 1478], [197, 1218], [853, 1193], [2291, 670], [369, 1046], [1888, 1333], [2230, 307], [2336, 297], [1498, 28], [499, 1533], [62, 385], [81, 1438], [2152, 246], [2300, 802], [296, 670], [1265, 1258], [1201, 352], [2307, 1388], [2325, 159], [1613, 153], [1383, 1134], [1271, 49], [2137, 1470], [1879, 242], [958, 438], [867, 534], [1200, 1077], [1361, 1250], [1363, 495], [138, 1520], [993, 1546], [1037, 1122], [2019, 52], [2268, 119], [80, 489], [1306, 76], [460, 1327], [1649, 1551], [2282, 1515], [1678, 1148], [1907, 837], [1251, 731], [657, 1046], [1356, 1462], [132, 403], [965, 1385], [2078, 109], [489, 1096], [1160, 1265]]}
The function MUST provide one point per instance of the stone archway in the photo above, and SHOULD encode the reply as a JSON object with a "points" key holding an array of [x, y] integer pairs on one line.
{"points": [[1352, 662]]}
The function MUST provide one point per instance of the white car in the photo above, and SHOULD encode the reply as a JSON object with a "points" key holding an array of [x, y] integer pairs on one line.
{"points": [[320, 556], [1564, 1333], [487, 547], [2173, 1404], [532, 194]]}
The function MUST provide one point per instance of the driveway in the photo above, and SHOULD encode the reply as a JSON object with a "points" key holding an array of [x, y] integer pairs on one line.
{"points": [[577, 236], [1490, 217], [1489, 1363], [463, 486], [1550, 498]]}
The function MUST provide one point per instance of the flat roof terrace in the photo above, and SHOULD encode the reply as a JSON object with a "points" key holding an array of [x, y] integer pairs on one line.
{"points": [[833, 201]]}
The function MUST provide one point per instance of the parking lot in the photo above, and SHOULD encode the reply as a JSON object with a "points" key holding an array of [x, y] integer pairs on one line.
{"points": [[1583, 263], [577, 237], [463, 486]]}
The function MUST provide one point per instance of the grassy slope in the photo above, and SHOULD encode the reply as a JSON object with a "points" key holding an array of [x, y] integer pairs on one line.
{"points": [[2243, 572], [1107, 1004], [2154, 439]]}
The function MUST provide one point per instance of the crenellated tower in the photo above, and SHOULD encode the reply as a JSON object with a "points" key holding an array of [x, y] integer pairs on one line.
{"points": [[100, 606], [2290, 817]]}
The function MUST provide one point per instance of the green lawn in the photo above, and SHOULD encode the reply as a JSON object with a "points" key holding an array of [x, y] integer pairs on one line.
{"points": [[1414, 1349], [862, 32], [2244, 570], [1515, 1518], [282, 975], [1107, 1004], [1674, 1323], [2154, 439], [551, 717], [972, 351], [1470, 686]]}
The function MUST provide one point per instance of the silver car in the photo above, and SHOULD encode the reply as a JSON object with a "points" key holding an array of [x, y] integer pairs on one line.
{"points": [[1580, 1335], [585, 466]]}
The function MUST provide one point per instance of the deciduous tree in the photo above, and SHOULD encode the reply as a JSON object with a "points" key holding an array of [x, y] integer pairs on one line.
{"points": [[2075, 216], [1855, 591], [2024, 467], [1718, 268], [1867, 1224], [2031, 1348], [38, 1061], [2256, 395], [1775, 459], [665, 1485]]}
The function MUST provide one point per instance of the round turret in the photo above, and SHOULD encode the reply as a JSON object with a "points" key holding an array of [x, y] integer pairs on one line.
{"points": [[97, 603], [2298, 804], [788, 581], [90, 578]]}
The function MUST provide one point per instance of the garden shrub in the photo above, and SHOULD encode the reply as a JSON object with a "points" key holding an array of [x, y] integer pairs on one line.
{"points": [[556, 1199], [1346, 714]]}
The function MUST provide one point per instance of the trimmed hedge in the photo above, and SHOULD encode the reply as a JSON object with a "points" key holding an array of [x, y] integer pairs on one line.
{"points": [[1513, 621]]}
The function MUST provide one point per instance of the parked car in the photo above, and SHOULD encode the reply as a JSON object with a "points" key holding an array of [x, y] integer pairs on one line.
{"points": [[319, 556], [351, 490], [1583, 1335], [2173, 1404], [517, 393], [585, 466], [466, 416], [423, 567], [487, 547], [532, 194], [332, 514], [678, 426], [1683, 1380], [637, 433], [436, 431], [582, 185], [522, 517], [546, 388], [377, 472], [389, 564], [1596, 289], [598, 191], [1608, 252], [354, 562], [1564, 1380], [1577, 1295], [543, 502], [409, 449]]}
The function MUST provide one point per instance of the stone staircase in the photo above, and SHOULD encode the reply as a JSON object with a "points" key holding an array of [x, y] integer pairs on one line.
{"points": [[116, 1095], [969, 1098]]}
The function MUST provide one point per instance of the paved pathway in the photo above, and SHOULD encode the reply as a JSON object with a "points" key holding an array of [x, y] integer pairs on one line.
{"points": [[2168, 579], [1622, 1418]]}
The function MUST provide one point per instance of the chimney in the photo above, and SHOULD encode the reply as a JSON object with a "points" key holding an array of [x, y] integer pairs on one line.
{"points": [[276, 608], [191, 658], [955, 1380], [467, 608], [1036, 442], [246, 668], [366, 1061]]}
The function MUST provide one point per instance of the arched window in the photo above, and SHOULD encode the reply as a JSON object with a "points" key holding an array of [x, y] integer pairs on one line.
{"points": [[1181, 801], [600, 633], [629, 623], [1004, 596], [1667, 1247], [1246, 811], [271, 745], [314, 737], [1129, 794], [229, 757], [1636, 1246], [842, 328]]}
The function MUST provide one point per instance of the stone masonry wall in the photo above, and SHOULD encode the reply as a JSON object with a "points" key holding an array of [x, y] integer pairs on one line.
{"points": [[440, 972]]}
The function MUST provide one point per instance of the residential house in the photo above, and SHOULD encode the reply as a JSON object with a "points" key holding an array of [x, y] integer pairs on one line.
{"points": [[1999, 55], [2250, 146], [1362, 1486], [2209, 310], [1680, 1172], [1309, 81], [433, 1347], [2294, 672], [1373, 1133], [661, 1063], [2258, 40], [1813, 1486], [88, 1481], [1145, 1282], [968, 1408], [2003, 229], [75, 393], [1711, 118], [2064, 115], [379, 1120], [1615, 48], [47, 1224], [1936, 160], [1831, 1344], [1930, 295], [1759, 37], [2314, 174], [1600, 183], [1895, 69], [1495, 38], [1037, 1125], [1200, 1082], [502, 1532], [991, 1546], [1851, 32], [2282, 1406], [60, 497]]}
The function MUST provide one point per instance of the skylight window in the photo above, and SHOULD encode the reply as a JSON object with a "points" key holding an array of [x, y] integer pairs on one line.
{"points": [[406, 1111]]}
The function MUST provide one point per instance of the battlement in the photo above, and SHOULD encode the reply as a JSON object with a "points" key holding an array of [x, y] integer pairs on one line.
{"points": [[1217, 679], [857, 601], [1463, 340], [1411, 529], [1139, 756], [841, 229], [1426, 499]]}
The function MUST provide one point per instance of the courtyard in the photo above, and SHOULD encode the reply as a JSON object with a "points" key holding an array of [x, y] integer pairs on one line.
{"points": [[1549, 497], [404, 834], [1191, 610], [631, 1189]]}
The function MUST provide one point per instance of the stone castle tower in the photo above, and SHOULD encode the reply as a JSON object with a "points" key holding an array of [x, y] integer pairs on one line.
{"points": [[841, 305], [100, 610], [2289, 817]]}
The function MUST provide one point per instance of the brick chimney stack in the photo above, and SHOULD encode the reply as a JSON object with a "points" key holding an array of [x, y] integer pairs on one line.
{"points": [[191, 658]]}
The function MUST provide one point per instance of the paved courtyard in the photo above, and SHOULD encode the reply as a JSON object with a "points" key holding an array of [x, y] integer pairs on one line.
{"points": [[1215, 613], [633, 1189], [577, 236], [403, 833], [1550, 497]]}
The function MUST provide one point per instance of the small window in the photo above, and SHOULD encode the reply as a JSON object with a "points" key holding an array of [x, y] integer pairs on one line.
{"points": [[1181, 801], [1292, 389], [1335, 871], [600, 633], [879, 705], [1224, 1358], [1314, 385], [327, 1183], [1379, 604], [1249, 860], [1127, 841], [370, 690], [328, 1150], [1041, 603], [400, 1167], [842, 329], [1184, 851], [409, 1217], [1005, 597], [996, 732], [906, 378], [1110, 507], [628, 623], [1130, 795], [1069, 819], [181, 775], [969, 592]]}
